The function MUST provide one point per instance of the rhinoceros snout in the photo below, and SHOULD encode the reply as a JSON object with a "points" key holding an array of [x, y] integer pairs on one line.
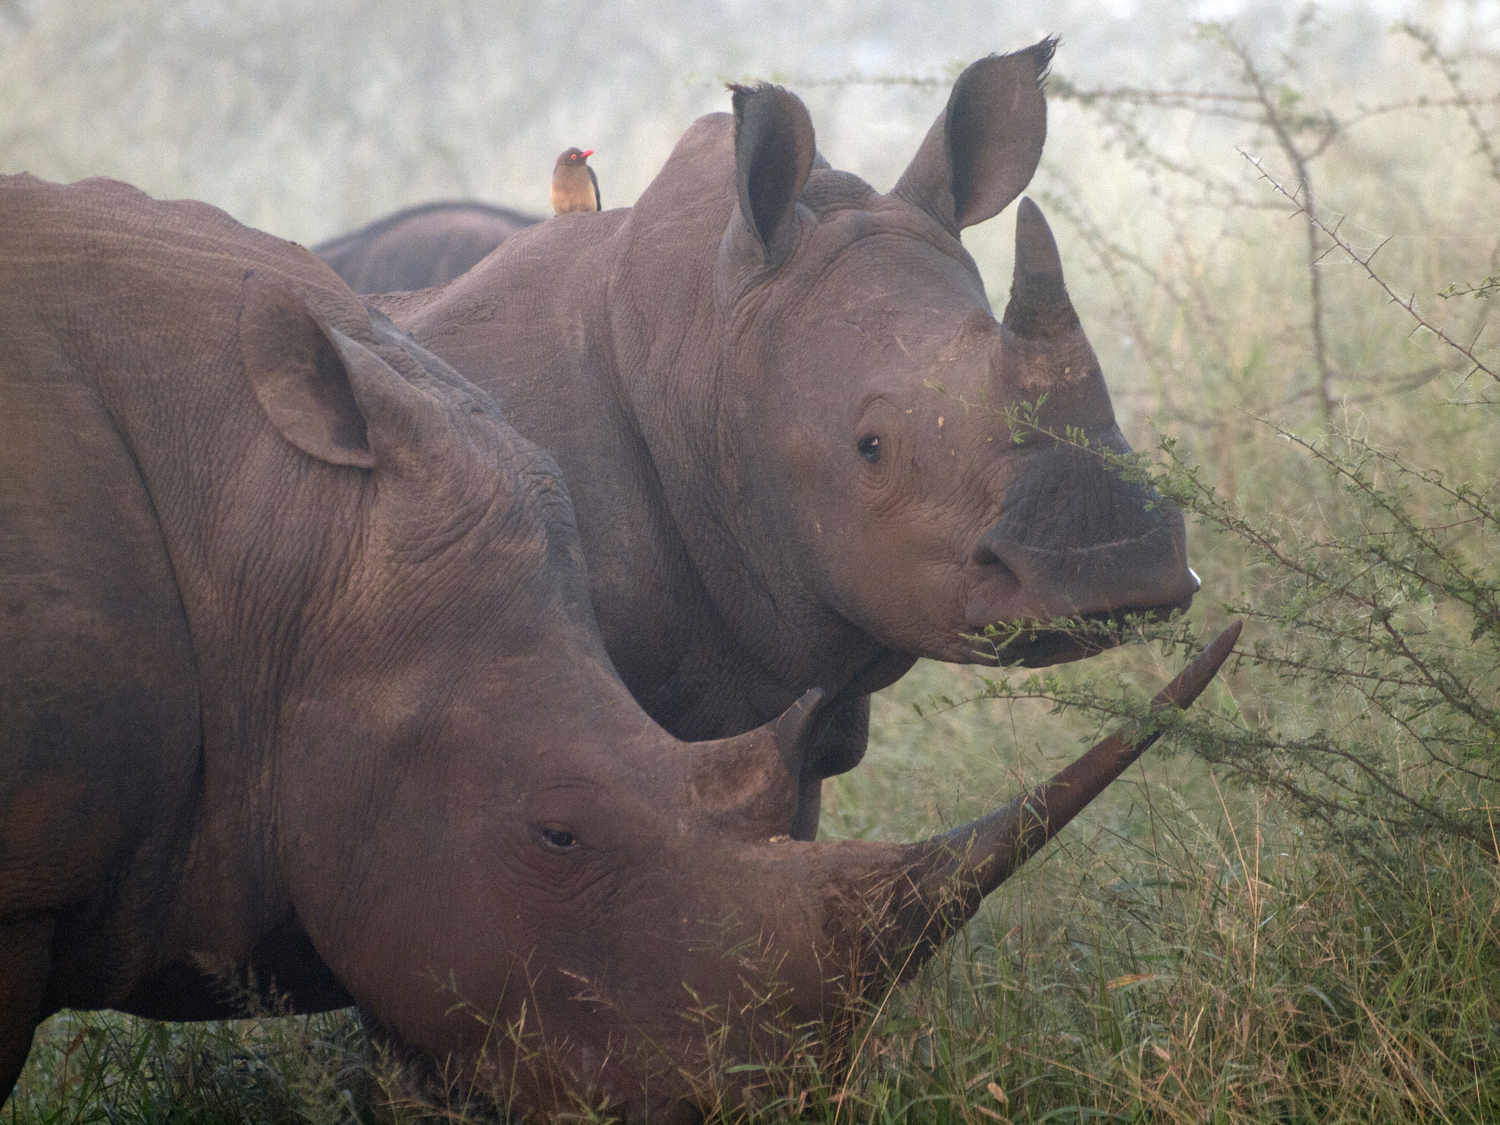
{"points": [[1075, 539], [1146, 572], [1014, 583]]}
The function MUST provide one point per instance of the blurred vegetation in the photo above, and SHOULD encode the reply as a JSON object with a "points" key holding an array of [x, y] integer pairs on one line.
{"points": [[1280, 234], [1361, 517]]}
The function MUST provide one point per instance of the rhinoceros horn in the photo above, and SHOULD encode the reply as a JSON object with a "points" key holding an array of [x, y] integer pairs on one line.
{"points": [[913, 897], [748, 784], [1039, 306]]}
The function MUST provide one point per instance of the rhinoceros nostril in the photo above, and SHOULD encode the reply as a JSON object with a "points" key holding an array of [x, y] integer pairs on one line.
{"points": [[989, 554]]}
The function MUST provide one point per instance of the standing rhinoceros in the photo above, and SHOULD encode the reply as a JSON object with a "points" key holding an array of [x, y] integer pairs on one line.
{"points": [[301, 677], [739, 376], [420, 246]]}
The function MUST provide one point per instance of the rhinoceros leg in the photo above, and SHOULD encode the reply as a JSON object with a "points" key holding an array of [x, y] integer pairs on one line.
{"points": [[25, 960], [838, 748]]}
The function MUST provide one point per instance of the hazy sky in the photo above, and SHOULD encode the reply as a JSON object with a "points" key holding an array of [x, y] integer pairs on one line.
{"points": [[310, 116]]}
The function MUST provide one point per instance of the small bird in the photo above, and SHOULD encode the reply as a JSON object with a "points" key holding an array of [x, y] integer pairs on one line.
{"points": [[574, 185]]}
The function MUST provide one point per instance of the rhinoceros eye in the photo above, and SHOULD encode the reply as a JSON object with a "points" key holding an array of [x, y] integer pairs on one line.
{"points": [[559, 838], [869, 448]]}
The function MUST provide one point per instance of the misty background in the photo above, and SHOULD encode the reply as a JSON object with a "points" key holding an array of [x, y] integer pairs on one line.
{"points": [[1227, 323], [308, 118]]}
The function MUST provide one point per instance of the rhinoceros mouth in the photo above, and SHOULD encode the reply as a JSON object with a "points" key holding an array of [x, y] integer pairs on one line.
{"points": [[1040, 648], [1042, 645]]}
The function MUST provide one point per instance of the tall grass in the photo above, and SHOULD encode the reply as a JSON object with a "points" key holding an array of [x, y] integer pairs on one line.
{"points": [[1211, 966], [1203, 974], [90, 1067]]}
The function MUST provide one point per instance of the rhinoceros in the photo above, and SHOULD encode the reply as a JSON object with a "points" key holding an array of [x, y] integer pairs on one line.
{"points": [[420, 246], [302, 685], [780, 402]]}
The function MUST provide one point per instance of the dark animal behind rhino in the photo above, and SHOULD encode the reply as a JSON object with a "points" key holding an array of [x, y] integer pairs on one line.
{"points": [[420, 246], [736, 377]]}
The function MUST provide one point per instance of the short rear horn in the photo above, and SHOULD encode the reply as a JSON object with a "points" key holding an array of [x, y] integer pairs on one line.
{"points": [[1039, 305]]}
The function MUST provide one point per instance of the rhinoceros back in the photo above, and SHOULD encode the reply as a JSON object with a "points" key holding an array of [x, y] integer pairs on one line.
{"points": [[139, 488], [421, 246]]}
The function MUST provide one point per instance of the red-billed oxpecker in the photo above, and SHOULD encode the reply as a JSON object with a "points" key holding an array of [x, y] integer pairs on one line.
{"points": [[574, 185]]}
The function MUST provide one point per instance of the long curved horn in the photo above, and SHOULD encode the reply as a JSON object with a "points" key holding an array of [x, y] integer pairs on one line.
{"points": [[917, 895], [1039, 305]]}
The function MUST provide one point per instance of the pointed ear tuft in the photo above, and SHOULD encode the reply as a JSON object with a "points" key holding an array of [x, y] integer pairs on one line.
{"points": [[983, 149], [299, 377], [774, 148]]}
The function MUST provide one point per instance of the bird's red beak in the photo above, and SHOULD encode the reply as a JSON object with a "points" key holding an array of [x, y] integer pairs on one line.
{"points": [[588, 153]]}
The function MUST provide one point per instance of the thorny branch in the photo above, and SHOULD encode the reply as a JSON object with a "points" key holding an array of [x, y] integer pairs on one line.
{"points": [[1409, 303], [1449, 70], [1227, 105], [1276, 120], [1260, 103]]}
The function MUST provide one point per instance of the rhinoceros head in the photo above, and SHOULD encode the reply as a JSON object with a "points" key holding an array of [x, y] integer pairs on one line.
{"points": [[493, 849], [867, 467], [488, 844], [611, 927]]}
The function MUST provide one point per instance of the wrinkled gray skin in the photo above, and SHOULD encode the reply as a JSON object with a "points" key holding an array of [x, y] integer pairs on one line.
{"points": [[736, 377], [420, 246], [301, 678]]}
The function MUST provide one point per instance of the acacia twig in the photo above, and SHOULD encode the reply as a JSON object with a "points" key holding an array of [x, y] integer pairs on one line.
{"points": [[1448, 67], [1409, 303]]}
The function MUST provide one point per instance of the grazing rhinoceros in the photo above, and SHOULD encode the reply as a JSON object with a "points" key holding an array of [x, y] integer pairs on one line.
{"points": [[421, 246], [301, 678], [739, 376]]}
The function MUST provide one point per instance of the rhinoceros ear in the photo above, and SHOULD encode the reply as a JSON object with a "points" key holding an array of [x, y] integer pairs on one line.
{"points": [[774, 149], [406, 426], [984, 147], [749, 783], [331, 396], [300, 378]]}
